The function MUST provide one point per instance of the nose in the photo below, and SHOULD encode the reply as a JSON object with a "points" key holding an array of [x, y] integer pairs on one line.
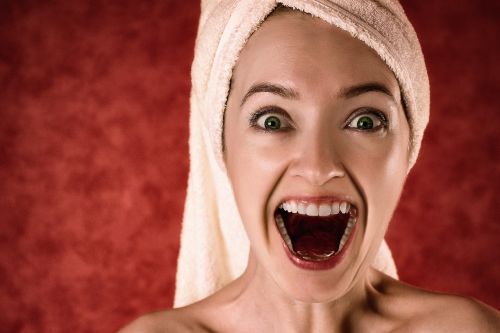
{"points": [[317, 161]]}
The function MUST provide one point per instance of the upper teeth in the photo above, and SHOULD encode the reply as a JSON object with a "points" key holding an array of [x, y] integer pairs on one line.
{"points": [[312, 209]]}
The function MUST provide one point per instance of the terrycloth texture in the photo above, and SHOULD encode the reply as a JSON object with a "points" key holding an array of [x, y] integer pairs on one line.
{"points": [[214, 247]]}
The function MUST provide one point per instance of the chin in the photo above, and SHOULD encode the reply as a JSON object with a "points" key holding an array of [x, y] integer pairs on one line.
{"points": [[309, 283]]}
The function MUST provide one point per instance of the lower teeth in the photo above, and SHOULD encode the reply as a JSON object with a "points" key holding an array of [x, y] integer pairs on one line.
{"points": [[347, 232], [323, 256]]}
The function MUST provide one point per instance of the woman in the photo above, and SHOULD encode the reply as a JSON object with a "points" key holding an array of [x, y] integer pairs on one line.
{"points": [[323, 120]]}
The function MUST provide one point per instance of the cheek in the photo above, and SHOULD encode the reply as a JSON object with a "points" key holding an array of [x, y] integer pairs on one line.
{"points": [[254, 168], [381, 168]]}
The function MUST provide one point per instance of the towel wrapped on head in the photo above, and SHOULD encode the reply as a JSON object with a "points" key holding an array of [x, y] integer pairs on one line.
{"points": [[214, 248]]}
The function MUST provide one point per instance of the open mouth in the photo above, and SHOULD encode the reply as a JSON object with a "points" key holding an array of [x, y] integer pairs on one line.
{"points": [[315, 232]]}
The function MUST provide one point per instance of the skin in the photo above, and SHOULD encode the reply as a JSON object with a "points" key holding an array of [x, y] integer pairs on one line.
{"points": [[319, 151]]}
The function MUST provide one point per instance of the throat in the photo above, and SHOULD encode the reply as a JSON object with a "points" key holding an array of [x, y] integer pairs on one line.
{"points": [[279, 310]]}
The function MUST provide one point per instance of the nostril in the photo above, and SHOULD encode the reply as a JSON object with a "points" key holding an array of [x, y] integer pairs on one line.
{"points": [[317, 160], [320, 178], [318, 174]]}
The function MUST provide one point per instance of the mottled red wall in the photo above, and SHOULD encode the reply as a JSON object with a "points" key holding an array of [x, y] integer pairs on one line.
{"points": [[446, 232], [93, 158]]}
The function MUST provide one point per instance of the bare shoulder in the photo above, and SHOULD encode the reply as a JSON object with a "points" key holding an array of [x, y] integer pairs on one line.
{"points": [[175, 320], [459, 314], [420, 310]]}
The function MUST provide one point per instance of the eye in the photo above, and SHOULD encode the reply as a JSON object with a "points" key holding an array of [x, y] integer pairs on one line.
{"points": [[368, 121], [271, 123], [270, 120]]}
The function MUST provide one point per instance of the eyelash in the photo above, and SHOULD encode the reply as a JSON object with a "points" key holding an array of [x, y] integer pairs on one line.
{"points": [[254, 117], [369, 111]]}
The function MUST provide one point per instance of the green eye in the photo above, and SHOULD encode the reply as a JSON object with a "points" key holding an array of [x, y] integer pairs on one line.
{"points": [[368, 121], [272, 123], [364, 123]]}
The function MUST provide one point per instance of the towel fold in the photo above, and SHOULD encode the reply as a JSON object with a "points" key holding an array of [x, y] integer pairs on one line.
{"points": [[214, 247]]}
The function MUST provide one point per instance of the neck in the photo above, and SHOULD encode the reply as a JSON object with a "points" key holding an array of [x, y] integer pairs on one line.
{"points": [[256, 295]]}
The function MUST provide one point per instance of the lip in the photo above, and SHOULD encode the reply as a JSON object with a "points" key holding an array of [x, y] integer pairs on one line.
{"points": [[335, 259], [323, 264]]}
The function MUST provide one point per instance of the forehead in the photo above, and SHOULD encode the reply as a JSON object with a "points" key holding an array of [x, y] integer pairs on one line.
{"points": [[295, 47]]}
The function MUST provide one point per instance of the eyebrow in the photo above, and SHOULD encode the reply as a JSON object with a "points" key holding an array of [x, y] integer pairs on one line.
{"points": [[290, 93], [363, 88], [272, 88]]}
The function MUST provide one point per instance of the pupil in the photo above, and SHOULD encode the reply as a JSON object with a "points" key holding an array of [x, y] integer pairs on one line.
{"points": [[365, 123], [272, 123]]}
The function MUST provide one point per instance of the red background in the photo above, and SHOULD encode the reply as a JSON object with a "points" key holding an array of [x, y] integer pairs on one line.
{"points": [[93, 158]]}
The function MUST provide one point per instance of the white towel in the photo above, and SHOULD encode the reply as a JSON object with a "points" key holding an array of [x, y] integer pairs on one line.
{"points": [[214, 247]]}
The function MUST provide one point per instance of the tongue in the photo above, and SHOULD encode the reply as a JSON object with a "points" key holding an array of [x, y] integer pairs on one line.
{"points": [[316, 238]]}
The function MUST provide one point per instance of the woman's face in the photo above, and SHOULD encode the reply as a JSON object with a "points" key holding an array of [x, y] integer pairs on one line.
{"points": [[314, 119]]}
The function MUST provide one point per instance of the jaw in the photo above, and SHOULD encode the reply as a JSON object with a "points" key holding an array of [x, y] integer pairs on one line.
{"points": [[308, 281]]}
